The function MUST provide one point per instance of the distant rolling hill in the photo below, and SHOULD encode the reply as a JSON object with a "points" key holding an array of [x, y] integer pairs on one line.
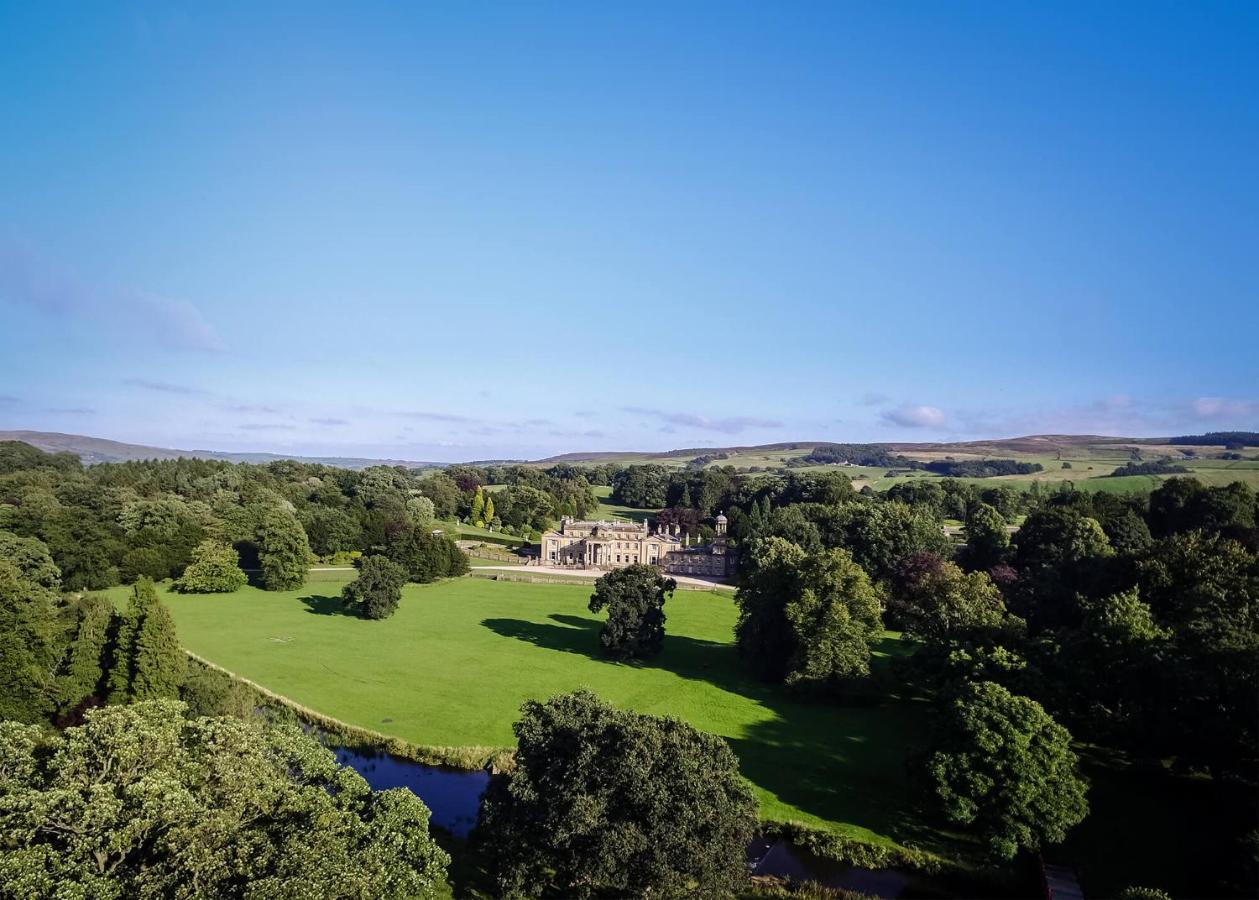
{"points": [[1064, 446], [101, 450], [1031, 444]]}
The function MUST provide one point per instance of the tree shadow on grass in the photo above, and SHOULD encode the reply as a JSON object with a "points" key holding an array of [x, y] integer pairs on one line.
{"points": [[684, 656], [324, 605], [844, 763]]}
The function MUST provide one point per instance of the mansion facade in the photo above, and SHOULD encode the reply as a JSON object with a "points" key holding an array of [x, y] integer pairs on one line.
{"points": [[612, 545]]}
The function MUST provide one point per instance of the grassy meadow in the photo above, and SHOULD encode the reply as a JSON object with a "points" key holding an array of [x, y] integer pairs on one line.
{"points": [[1088, 466], [456, 661]]}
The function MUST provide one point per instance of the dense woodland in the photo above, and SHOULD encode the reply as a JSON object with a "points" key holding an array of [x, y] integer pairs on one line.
{"points": [[1129, 623]]}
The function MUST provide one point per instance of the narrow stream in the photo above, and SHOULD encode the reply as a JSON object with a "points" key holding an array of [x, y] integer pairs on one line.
{"points": [[452, 795]]}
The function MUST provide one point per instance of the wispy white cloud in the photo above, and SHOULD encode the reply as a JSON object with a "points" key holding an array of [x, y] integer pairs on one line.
{"points": [[915, 416], [29, 279], [1220, 409], [164, 387], [329, 421], [251, 408], [725, 425], [589, 433], [425, 416]]}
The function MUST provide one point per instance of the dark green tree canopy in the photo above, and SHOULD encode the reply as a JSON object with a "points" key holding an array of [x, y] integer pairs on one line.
{"points": [[605, 802], [768, 578], [940, 603], [148, 662], [376, 592], [32, 559], [805, 619], [987, 539], [634, 598], [283, 551], [833, 613], [425, 556], [141, 802], [1003, 767], [29, 646]]}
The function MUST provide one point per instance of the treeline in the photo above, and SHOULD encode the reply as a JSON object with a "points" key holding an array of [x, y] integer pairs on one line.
{"points": [[118, 522], [981, 468], [141, 793], [1122, 622], [1234, 440], [855, 455], [705, 492], [1155, 467]]}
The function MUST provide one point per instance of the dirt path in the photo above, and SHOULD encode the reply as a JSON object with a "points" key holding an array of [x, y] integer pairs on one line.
{"points": [[595, 573]]}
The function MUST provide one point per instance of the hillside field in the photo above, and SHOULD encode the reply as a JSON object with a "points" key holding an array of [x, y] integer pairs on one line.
{"points": [[456, 661], [1087, 465]]}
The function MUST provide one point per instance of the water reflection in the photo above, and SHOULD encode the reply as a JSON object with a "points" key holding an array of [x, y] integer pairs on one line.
{"points": [[452, 795]]}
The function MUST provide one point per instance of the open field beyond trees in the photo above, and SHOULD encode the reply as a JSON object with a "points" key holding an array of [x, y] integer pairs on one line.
{"points": [[453, 665], [1089, 463]]}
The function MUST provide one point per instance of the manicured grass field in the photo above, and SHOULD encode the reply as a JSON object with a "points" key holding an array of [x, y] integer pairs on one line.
{"points": [[453, 665], [612, 511]]}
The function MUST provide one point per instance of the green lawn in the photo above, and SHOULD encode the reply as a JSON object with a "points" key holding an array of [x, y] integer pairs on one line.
{"points": [[453, 665], [612, 511], [480, 562]]}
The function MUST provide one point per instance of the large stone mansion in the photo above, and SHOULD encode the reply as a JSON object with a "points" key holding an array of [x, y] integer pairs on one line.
{"points": [[611, 545]]}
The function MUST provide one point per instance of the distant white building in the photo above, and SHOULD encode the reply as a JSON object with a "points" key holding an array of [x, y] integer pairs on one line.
{"points": [[605, 545], [612, 545]]}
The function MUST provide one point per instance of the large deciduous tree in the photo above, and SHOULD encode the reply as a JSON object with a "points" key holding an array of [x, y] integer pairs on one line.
{"points": [[426, 556], [376, 592], [32, 559], [1205, 588], [1059, 554], [1003, 767], [987, 538], [215, 569], [634, 598], [805, 619], [605, 802], [832, 615], [283, 551], [768, 574], [880, 535], [141, 802], [939, 603]]}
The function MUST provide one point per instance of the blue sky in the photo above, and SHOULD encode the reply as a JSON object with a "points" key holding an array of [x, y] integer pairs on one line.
{"points": [[458, 231]]}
